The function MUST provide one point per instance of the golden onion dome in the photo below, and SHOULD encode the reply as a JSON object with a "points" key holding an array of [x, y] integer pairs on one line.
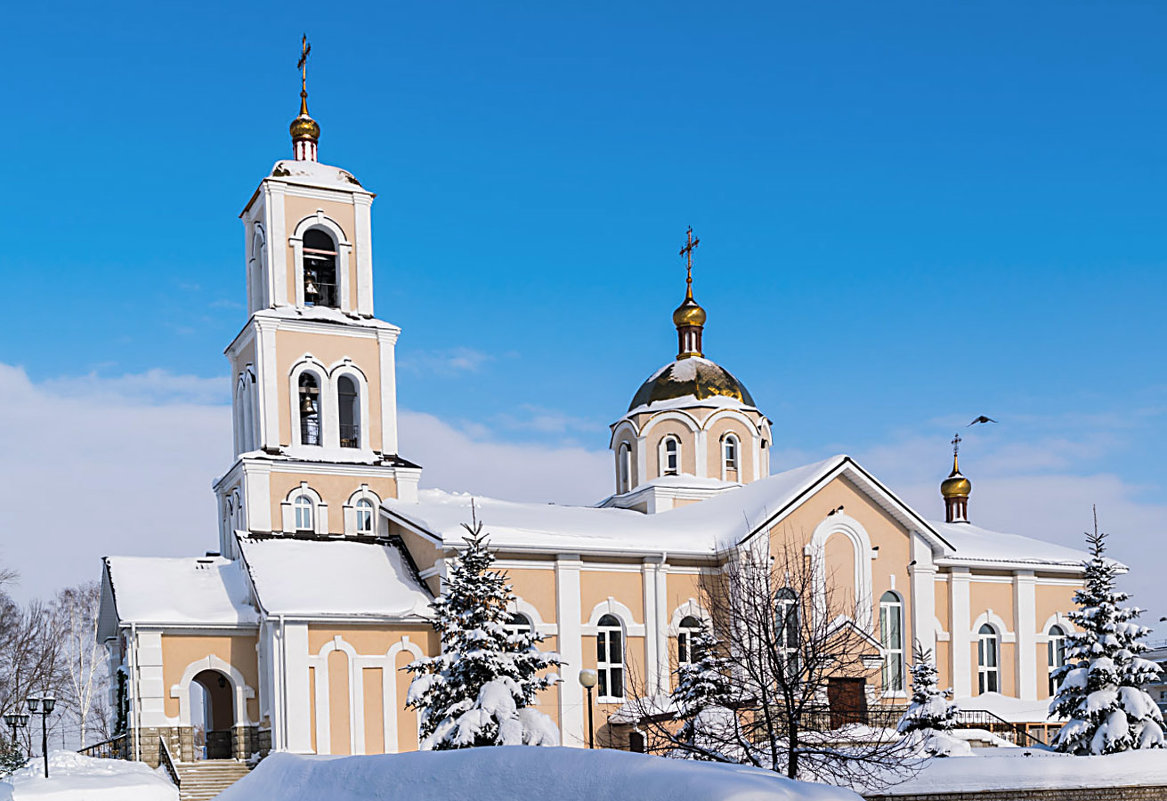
{"points": [[693, 376], [304, 127], [956, 485], [689, 313]]}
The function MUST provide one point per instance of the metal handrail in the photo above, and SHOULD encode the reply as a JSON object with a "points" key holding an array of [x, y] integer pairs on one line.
{"points": [[113, 748], [167, 761], [966, 719]]}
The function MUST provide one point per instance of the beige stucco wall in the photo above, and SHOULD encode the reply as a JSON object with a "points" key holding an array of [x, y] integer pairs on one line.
{"points": [[334, 490], [365, 354], [181, 650], [1050, 600], [624, 586], [652, 445], [536, 587], [713, 451]]}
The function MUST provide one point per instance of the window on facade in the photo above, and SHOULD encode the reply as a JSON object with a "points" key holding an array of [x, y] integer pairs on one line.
{"points": [[623, 468], [349, 405], [305, 513], [686, 633], [891, 637], [671, 456], [729, 449], [786, 630], [1056, 651], [610, 657], [988, 660], [309, 410], [364, 512], [319, 269], [519, 624]]}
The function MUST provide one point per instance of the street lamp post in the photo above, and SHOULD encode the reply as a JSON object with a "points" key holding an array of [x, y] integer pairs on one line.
{"points": [[43, 707], [588, 679], [15, 720]]}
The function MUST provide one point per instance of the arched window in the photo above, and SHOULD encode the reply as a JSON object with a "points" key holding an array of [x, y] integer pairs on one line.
{"points": [[305, 513], [1056, 651], [365, 516], [319, 269], [348, 399], [519, 624], [988, 660], [686, 632], [786, 630], [309, 410], [891, 637], [670, 456], [610, 657], [730, 452], [623, 468]]}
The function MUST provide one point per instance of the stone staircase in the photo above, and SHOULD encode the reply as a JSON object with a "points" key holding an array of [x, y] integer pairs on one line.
{"points": [[202, 781]]}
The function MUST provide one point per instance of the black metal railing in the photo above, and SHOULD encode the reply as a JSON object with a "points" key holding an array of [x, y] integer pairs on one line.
{"points": [[113, 748], [1015, 733], [167, 761], [350, 435], [325, 295]]}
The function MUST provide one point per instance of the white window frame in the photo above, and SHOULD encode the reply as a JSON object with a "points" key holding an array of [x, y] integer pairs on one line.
{"points": [[360, 506], [786, 610], [890, 603], [1055, 654], [302, 504], [988, 642], [665, 453], [605, 667], [685, 632], [623, 468], [514, 626], [731, 462]]}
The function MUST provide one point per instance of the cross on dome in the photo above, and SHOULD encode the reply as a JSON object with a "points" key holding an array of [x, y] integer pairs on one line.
{"points": [[305, 130]]}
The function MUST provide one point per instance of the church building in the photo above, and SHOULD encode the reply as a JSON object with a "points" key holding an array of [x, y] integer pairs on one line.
{"points": [[292, 633]]}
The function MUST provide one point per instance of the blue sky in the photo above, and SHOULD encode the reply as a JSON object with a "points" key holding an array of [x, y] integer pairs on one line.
{"points": [[910, 214]]}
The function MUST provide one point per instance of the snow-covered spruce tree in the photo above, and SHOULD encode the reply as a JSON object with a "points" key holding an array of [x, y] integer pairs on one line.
{"points": [[703, 699], [11, 758], [930, 714], [481, 689], [1099, 686]]}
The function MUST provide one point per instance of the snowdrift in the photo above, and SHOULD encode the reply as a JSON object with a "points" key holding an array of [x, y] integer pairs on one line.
{"points": [[73, 777], [516, 773]]}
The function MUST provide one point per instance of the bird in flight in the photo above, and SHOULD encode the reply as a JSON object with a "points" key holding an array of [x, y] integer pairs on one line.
{"points": [[981, 419]]}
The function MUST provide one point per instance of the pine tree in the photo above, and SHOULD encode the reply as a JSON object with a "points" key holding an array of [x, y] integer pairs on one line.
{"points": [[481, 689], [703, 697], [1100, 684], [930, 713], [11, 757]]}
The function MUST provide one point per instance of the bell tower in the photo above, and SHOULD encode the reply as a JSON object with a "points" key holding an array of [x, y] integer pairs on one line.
{"points": [[313, 371]]}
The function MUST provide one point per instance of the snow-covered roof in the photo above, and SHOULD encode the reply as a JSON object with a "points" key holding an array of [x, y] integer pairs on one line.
{"points": [[209, 591], [717, 523], [689, 402], [313, 173], [975, 544], [333, 578]]}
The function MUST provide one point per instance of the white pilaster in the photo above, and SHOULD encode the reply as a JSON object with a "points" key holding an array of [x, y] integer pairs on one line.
{"points": [[277, 243], [296, 682], [958, 588], [387, 340], [652, 654], [266, 366], [363, 243], [1025, 602], [923, 602], [151, 686], [660, 579], [569, 619]]}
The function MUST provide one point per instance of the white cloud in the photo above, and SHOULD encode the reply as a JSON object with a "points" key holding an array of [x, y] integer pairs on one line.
{"points": [[452, 361]]}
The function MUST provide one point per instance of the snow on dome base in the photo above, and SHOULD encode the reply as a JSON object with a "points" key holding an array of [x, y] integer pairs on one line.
{"points": [[516, 773]]}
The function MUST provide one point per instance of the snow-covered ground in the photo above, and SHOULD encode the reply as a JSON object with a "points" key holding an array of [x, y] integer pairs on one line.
{"points": [[73, 777], [1028, 768], [516, 773]]}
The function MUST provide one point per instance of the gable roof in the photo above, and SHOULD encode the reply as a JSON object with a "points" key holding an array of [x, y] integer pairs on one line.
{"points": [[207, 592], [333, 578]]}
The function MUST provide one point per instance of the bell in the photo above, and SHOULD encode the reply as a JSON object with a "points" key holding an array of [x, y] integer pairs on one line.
{"points": [[310, 288], [307, 406]]}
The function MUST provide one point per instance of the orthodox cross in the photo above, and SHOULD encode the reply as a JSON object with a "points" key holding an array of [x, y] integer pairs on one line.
{"points": [[302, 65], [956, 444], [687, 252]]}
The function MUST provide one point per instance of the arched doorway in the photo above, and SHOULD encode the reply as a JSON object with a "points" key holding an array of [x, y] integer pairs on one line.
{"points": [[214, 713]]}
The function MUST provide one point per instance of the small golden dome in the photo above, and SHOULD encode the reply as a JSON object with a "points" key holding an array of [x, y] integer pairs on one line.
{"points": [[956, 486], [689, 313], [304, 127], [694, 376]]}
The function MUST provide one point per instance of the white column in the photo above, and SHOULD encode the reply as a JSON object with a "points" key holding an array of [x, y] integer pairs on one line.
{"points": [[958, 588], [660, 578], [277, 243], [299, 716], [266, 366], [363, 244], [387, 340], [568, 618], [1025, 604], [151, 686], [257, 495], [652, 654], [923, 600]]}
